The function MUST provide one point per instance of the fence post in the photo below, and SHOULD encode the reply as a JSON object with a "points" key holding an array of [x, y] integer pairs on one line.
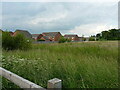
{"points": [[54, 84]]}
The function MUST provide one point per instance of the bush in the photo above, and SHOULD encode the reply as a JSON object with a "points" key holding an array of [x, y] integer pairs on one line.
{"points": [[83, 39], [91, 39], [18, 42], [40, 40], [62, 40]]}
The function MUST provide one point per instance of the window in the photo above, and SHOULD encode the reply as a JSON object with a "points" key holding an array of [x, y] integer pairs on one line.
{"points": [[72, 37]]}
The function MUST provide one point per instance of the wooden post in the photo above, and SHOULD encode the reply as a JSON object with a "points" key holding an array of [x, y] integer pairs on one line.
{"points": [[54, 84]]}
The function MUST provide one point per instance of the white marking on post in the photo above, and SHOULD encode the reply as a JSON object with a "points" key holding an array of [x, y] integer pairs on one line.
{"points": [[54, 83]]}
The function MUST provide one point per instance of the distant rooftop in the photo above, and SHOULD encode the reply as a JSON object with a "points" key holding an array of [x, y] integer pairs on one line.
{"points": [[50, 34], [35, 35], [70, 35]]}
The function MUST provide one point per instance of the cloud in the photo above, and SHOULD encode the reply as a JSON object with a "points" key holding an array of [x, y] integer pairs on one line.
{"points": [[38, 20], [60, 0], [91, 28], [65, 17]]}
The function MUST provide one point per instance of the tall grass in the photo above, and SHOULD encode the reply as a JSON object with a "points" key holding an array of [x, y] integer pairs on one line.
{"points": [[78, 65]]}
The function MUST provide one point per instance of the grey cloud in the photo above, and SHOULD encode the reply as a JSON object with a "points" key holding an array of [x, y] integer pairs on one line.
{"points": [[19, 15]]}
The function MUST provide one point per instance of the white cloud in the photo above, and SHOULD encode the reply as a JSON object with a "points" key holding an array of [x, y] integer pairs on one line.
{"points": [[64, 17], [91, 29], [60, 0], [38, 20]]}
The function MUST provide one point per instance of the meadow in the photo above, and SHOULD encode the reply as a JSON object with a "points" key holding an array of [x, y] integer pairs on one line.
{"points": [[78, 65]]}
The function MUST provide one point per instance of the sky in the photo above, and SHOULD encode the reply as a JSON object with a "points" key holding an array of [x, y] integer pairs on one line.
{"points": [[82, 18]]}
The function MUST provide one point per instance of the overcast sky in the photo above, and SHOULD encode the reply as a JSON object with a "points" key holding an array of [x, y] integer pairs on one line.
{"points": [[82, 18]]}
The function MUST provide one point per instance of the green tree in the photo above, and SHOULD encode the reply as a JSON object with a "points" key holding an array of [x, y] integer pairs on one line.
{"points": [[7, 41], [15, 42], [62, 40], [112, 34], [98, 36], [92, 38], [105, 35], [21, 42]]}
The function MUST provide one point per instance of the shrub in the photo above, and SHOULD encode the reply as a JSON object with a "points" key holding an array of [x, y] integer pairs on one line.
{"points": [[91, 39], [7, 41], [62, 40], [40, 40], [18, 42], [21, 42], [83, 39]]}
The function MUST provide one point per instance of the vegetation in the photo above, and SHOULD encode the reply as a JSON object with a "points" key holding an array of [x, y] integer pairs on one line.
{"points": [[40, 40], [78, 65], [63, 40], [92, 38], [17, 42], [113, 34]]}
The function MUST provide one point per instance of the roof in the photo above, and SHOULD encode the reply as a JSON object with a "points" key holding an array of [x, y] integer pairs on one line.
{"points": [[70, 35], [1, 30], [24, 32], [45, 37], [50, 34], [80, 37], [11, 32]]}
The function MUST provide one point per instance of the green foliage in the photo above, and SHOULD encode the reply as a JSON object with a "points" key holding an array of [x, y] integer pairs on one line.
{"points": [[15, 42], [98, 36], [84, 39], [63, 40], [40, 40], [112, 34], [92, 39], [7, 41]]}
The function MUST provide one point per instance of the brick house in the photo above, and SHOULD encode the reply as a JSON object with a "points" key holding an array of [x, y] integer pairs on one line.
{"points": [[23, 32], [52, 36], [72, 37], [36, 36], [81, 39], [45, 38], [11, 33]]}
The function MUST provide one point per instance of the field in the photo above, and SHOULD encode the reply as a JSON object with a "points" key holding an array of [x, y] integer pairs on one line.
{"points": [[78, 65]]}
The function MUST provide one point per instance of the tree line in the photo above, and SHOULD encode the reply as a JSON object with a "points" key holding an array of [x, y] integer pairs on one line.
{"points": [[112, 34]]}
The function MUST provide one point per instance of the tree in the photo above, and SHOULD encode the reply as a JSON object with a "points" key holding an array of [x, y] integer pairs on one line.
{"points": [[112, 34], [7, 41], [18, 42], [98, 36], [92, 38], [62, 40]]}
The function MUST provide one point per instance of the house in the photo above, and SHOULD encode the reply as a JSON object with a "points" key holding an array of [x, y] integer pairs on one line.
{"points": [[23, 32], [81, 38], [86, 38], [52, 36], [36, 36], [72, 37], [11, 33], [45, 38]]}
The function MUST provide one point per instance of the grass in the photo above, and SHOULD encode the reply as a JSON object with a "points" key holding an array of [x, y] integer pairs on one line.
{"points": [[78, 65]]}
